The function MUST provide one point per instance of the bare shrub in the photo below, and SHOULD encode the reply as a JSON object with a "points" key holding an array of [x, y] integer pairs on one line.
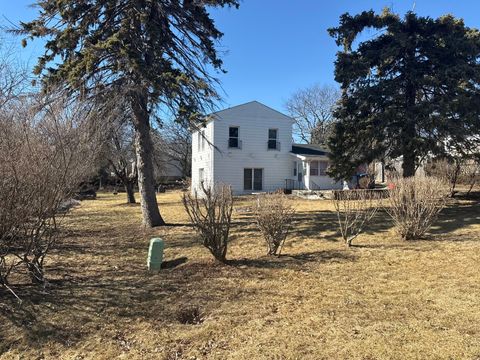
{"points": [[44, 154], [471, 175], [456, 170], [355, 208], [449, 171], [211, 215], [274, 215], [415, 203]]}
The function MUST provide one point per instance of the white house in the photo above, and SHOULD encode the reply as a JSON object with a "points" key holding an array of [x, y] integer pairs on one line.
{"points": [[250, 147]]}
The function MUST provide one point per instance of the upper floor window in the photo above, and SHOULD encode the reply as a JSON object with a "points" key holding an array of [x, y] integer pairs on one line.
{"points": [[233, 137], [203, 140], [273, 143]]}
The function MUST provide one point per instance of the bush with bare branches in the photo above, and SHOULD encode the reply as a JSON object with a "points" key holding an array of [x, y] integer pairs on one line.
{"points": [[415, 203], [274, 215], [45, 151], [211, 215], [455, 170], [355, 208]]}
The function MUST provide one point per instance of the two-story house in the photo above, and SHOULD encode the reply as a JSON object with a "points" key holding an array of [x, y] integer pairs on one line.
{"points": [[250, 147]]}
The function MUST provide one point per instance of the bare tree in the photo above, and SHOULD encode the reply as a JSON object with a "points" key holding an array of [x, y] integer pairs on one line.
{"points": [[312, 109], [211, 215], [355, 208], [118, 140], [13, 75], [121, 157], [174, 148]]}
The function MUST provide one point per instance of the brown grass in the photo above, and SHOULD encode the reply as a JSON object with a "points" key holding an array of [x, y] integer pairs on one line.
{"points": [[381, 299]]}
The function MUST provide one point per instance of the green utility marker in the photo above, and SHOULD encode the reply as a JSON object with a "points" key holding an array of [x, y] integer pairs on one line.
{"points": [[155, 254]]}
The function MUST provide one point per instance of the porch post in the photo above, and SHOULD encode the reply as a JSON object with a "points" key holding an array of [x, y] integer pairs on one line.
{"points": [[307, 175]]}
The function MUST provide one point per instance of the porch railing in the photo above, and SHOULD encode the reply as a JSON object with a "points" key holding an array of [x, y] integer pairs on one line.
{"points": [[292, 184]]}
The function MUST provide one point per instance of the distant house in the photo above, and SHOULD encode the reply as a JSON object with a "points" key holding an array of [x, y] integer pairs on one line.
{"points": [[250, 147]]}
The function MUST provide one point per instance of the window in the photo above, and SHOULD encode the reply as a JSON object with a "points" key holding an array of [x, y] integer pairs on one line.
{"points": [[294, 168], [233, 141], [322, 169], [314, 168], [252, 179], [203, 140], [273, 144], [318, 168], [201, 174]]}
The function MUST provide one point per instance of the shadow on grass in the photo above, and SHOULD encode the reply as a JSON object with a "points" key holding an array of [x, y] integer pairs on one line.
{"points": [[293, 261], [126, 204], [175, 225], [325, 224], [454, 217], [170, 264]]}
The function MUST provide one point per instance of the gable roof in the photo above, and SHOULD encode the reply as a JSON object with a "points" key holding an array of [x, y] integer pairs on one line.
{"points": [[309, 149], [251, 105]]}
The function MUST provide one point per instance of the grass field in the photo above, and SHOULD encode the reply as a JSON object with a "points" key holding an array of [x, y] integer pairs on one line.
{"points": [[382, 299]]}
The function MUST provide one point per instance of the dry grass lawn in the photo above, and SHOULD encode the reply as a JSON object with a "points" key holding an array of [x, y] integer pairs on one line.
{"points": [[383, 299]]}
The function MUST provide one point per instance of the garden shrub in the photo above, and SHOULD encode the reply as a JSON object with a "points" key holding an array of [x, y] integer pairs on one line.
{"points": [[273, 215], [415, 203], [211, 215], [355, 208]]}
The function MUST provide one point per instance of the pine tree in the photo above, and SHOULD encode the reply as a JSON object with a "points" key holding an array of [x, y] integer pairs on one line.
{"points": [[155, 53], [411, 90]]}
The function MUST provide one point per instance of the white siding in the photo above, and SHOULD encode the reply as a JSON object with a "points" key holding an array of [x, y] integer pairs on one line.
{"points": [[253, 120], [320, 182], [202, 157]]}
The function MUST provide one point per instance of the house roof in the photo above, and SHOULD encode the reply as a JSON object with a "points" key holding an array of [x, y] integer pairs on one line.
{"points": [[309, 149], [251, 104]]}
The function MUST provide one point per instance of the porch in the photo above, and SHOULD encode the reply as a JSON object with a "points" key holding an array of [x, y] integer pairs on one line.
{"points": [[310, 164]]}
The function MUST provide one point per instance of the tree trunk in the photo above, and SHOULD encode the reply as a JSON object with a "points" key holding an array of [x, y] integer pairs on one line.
{"points": [[408, 165], [144, 150], [130, 192], [409, 130]]}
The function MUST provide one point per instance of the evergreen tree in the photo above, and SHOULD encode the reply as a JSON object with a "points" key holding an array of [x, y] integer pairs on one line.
{"points": [[153, 52], [411, 90]]}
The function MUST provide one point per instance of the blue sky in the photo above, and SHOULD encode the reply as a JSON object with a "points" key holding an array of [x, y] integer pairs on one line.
{"points": [[274, 47]]}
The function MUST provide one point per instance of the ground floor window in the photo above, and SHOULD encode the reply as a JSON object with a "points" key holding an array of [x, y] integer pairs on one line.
{"points": [[314, 168], [201, 175], [322, 168], [252, 179], [318, 168]]}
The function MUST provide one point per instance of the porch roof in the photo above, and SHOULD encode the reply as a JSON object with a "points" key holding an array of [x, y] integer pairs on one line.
{"points": [[309, 151]]}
